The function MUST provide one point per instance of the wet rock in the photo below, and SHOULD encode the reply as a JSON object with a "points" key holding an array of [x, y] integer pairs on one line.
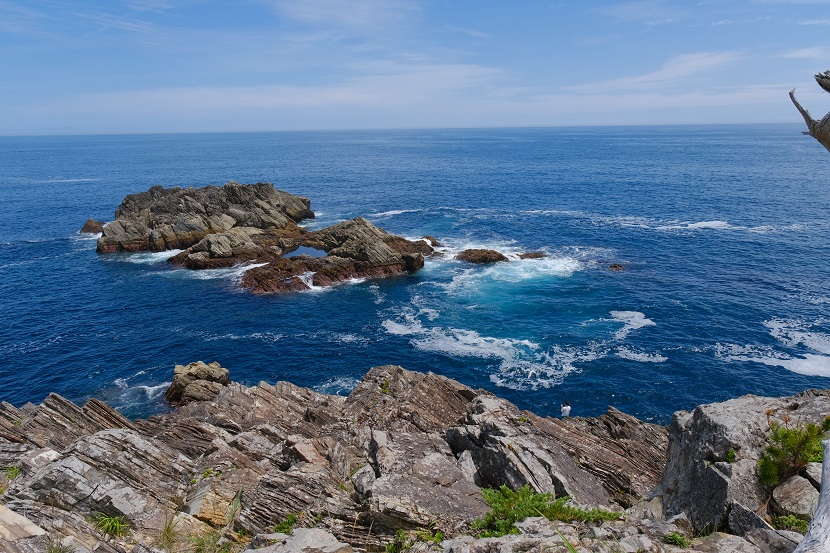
{"points": [[92, 227], [532, 255], [196, 382], [616, 267], [480, 256], [431, 241]]}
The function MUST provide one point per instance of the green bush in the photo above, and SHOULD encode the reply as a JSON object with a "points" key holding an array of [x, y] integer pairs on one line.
{"points": [[677, 539], [791, 523], [58, 547], [509, 507], [11, 472], [209, 542], [287, 524], [790, 449], [404, 541], [110, 525], [730, 456]]}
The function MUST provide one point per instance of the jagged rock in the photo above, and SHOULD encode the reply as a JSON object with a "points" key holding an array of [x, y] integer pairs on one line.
{"points": [[92, 227], [306, 540], [795, 496], [698, 480], [506, 453], [742, 520], [480, 256], [532, 255], [774, 541], [176, 218], [813, 474], [431, 241], [196, 382]]}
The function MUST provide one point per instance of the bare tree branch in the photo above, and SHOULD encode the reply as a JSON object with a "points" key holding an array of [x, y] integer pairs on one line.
{"points": [[820, 130]]}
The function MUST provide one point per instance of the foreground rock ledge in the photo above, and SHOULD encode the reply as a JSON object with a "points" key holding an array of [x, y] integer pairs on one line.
{"points": [[404, 450], [236, 224]]}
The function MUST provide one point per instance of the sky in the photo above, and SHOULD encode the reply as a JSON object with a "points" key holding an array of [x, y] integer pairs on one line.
{"points": [[139, 66]]}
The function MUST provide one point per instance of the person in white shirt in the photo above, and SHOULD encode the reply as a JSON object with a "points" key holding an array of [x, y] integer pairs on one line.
{"points": [[566, 409]]}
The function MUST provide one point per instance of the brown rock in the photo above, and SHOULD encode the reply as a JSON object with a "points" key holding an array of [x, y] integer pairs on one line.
{"points": [[532, 255], [480, 256], [92, 227], [431, 241], [196, 382], [616, 267]]}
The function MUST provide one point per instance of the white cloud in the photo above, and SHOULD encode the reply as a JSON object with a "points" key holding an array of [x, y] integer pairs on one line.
{"points": [[351, 14], [650, 12], [471, 32], [815, 22], [814, 53], [675, 70]]}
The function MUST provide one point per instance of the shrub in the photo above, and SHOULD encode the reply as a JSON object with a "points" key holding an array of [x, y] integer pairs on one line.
{"points": [[790, 449], [404, 541], [110, 525], [287, 524], [58, 547], [509, 507], [791, 523], [169, 535], [677, 539], [730, 456], [11, 472], [210, 542]]}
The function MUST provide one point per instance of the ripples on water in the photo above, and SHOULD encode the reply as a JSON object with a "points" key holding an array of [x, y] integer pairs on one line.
{"points": [[722, 232]]}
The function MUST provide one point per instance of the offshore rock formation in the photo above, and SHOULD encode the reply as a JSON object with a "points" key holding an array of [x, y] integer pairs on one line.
{"points": [[404, 451], [234, 224]]}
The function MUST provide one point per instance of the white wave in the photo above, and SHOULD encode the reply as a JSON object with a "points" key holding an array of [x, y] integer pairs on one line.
{"points": [[268, 337], [151, 258], [522, 364], [392, 213], [85, 236], [152, 392], [632, 320], [68, 180], [642, 357], [338, 386], [793, 333], [234, 273]]}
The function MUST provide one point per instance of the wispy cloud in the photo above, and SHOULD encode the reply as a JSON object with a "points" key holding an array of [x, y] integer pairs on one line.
{"points": [[673, 71], [350, 14], [814, 53], [815, 22], [20, 20], [470, 32], [649, 12]]}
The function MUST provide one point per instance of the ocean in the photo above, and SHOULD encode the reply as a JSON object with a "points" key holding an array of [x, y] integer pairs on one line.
{"points": [[722, 232]]}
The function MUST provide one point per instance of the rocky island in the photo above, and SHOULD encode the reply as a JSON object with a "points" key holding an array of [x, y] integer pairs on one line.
{"points": [[223, 226], [398, 465]]}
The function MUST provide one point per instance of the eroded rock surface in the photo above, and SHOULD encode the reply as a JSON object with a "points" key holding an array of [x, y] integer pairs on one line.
{"points": [[218, 227], [477, 255]]}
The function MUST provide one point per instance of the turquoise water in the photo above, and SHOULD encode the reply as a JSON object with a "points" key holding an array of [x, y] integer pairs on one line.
{"points": [[722, 231]]}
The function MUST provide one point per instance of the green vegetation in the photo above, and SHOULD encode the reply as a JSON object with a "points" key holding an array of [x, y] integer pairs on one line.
{"points": [[11, 472], [677, 539], [58, 547], [384, 386], [169, 535], [110, 525], [790, 449], [404, 541], [568, 545], [509, 507], [287, 524], [523, 418], [730, 456], [791, 523], [211, 542]]}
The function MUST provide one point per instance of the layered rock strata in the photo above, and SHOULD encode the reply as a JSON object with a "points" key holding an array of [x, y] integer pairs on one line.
{"points": [[404, 451]]}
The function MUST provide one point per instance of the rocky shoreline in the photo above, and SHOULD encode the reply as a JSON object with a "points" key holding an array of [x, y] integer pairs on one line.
{"points": [[405, 454]]}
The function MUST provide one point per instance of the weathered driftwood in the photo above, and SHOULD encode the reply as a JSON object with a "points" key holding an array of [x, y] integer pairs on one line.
{"points": [[817, 539], [820, 130]]}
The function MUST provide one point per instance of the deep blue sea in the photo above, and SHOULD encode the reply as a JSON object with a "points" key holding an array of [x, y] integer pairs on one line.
{"points": [[723, 232]]}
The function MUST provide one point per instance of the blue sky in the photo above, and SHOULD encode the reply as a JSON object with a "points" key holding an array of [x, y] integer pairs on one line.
{"points": [[206, 65]]}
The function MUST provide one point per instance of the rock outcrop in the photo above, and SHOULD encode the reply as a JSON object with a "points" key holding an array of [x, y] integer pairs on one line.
{"points": [[218, 227], [477, 255], [176, 218], [92, 227], [402, 457], [196, 382], [404, 450], [714, 451]]}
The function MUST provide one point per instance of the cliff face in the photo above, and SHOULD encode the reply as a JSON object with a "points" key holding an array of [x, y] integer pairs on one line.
{"points": [[404, 451]]}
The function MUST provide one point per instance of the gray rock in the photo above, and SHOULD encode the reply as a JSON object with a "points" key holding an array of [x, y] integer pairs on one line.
{"points": [[698, 481], [795, 496], [772, 541], [363, 480], [742, 520], [306, 540], [813, 474]]}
